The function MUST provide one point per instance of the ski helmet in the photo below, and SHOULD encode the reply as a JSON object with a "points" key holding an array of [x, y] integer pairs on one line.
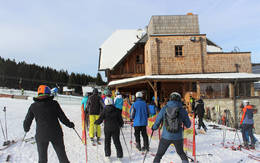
{"points": [[108, 101], [175, 96], [43, 90], [245, 102], [139, 94]]}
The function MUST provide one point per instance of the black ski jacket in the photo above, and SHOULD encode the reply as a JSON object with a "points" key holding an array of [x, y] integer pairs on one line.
{"points": [[112, 117], [200, 111], [95, 105], [47, 113]]}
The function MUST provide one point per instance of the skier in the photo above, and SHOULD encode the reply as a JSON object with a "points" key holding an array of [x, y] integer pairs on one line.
{"points": [[47, 113], [112, 123], [118, 101], [169, 137], [139, 114], [94, 107], [247, 123], [200, 111]]}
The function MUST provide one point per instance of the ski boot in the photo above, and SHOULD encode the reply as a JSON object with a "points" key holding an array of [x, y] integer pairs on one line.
{"points": [[205, 129], [107, 159], [98, 141], [92, 141], [252, 146], [246, 146], [145, 148], [138, 146]]}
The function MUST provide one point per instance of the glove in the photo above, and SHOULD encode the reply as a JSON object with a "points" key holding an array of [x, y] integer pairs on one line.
{"points": [[71, 125]]}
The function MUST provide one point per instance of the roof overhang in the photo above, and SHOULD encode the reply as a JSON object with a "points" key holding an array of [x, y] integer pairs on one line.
{"points": [[190, 77]]}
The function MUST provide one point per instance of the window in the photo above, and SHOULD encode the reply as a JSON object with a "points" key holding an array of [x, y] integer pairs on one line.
{"points": [[139, 59], [243, 89], [178, 50], [214, 90]]}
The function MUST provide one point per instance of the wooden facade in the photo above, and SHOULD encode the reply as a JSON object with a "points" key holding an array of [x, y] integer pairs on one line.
{"points": [[131, 65]]}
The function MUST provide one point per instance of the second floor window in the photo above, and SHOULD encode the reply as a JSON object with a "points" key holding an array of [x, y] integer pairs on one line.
{"points": [[178, 50]]}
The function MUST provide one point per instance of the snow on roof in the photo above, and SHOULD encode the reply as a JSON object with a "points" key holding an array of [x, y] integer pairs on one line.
{"points": [[216, 76], [211, 48], [116, 47]]}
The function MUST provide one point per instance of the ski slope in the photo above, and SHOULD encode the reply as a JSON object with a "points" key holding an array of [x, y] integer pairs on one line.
{"points": [[22, 152]]}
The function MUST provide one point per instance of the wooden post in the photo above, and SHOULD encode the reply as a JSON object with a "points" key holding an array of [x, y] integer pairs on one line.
{"points": [[154, 87], [198, 89], [252, 89], [231, 90], [155, 93]]}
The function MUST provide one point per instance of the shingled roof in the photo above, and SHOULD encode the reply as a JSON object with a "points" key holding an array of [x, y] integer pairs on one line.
{"points": [[174, 24]]}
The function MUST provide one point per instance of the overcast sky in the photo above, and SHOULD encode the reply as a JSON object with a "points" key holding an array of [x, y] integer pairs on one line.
{"points": [[66, 34]]}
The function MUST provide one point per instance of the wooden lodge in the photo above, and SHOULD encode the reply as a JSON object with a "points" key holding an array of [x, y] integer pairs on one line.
{"points": [[172, 55]]}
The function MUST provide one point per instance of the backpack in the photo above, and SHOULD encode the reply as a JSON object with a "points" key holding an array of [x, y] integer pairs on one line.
{"points": [[172, 119]]}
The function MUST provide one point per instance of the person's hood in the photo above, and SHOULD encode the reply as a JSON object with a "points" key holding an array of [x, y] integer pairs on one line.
{"points": [[110, 108], [176, 103]]}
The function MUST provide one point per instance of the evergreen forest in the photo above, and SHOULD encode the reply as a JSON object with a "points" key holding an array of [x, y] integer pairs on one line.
{"points": [[29, 76]]}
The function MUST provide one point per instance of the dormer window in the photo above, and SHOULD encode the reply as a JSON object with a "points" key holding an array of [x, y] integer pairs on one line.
{"points": [[178, 50]]}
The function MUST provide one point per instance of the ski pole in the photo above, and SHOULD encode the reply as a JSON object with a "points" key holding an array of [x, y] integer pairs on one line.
{"points": [[5, 124], [125, 143], [131, 142], [77, 134], [24, 136], [149, 144], [3, 130]]}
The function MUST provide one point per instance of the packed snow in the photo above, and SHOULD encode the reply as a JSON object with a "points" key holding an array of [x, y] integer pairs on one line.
{"points": [[208, 146]]}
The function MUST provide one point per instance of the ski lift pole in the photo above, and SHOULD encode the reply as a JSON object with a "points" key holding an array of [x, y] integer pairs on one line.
{"points": [[5, 123], [3, 130]]}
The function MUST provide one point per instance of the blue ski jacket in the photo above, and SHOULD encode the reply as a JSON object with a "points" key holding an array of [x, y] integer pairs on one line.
{"points": [[161, 116], [139, 112]]}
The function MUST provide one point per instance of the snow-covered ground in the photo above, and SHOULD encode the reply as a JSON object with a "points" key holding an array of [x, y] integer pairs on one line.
{"points": [[22, 152]]}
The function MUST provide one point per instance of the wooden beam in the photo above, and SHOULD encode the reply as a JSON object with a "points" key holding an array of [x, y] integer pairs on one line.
{"points": [[151, 85]]}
